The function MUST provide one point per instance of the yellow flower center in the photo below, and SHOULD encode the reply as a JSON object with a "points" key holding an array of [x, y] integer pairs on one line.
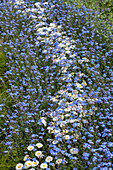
{"points": [[44, 166], [19, 166], [38, 153], [35, 163], [29, 163]]}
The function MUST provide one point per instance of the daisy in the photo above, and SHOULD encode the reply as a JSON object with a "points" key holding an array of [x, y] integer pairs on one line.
{"points": [[61, 117], [67, 109], [19, 166], [55, 119], [58, 161], [35, 163], [38, 153], [55, 142], [43, 121], [69, 94], [27, 156], [78, 85], [65, 131], [30, 148], [39, 145], [67, 137], [74, 150], [43, 165], [49, 159], [84, 83], [27, 164]]}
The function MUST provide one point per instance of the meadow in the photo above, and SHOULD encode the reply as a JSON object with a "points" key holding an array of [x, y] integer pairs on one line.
{"points": [[56, 75]]}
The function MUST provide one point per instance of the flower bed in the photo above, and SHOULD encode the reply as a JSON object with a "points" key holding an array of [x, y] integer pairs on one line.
{"points": [[60, 85]]}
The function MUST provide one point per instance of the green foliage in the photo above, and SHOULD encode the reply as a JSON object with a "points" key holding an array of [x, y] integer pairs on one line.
{"points": [[7, 162], [105, 7]]}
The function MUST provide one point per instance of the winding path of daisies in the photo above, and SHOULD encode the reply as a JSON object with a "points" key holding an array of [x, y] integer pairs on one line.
{"points": [[58, 86]]}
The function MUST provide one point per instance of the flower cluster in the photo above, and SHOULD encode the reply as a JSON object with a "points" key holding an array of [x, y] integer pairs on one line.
{"points": [[60, 85], [35, 162]]}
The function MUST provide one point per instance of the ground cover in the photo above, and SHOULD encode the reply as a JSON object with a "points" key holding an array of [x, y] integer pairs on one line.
{"points": [[60, 84]]}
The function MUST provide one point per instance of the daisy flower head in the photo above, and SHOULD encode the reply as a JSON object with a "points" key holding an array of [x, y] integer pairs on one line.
{"points": [[38, 153], [66, 131], [39, 145], [84, 83], [30, 148], [43, 165], [73, 150], [58, 161], [27, 156], [79, 85], [28, 164], [55, 142], [19, 166], [35, 163], [67, 137], [49, 159], [43, 121]]}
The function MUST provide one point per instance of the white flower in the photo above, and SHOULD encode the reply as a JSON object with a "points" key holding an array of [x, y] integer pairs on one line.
{"points": [[35, 163], [32, 169], [63, 123], [45, 3], [78, 85], [58, 161], [55, 142], [65, 131], [28, 164], [43, 121], [57, 131], [37, 3], [27, 156], [67, 109], [72, 120], [38, 153], [43, 166], [30, 148], [85, 59], [55, 119], [67, 115], [84, 83], [61, 117], [49, 159], [74, 150], [67, 137], [39, 145], [52, 25], [34, 10], [68, 52], [19, 166], [69, 94]]}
